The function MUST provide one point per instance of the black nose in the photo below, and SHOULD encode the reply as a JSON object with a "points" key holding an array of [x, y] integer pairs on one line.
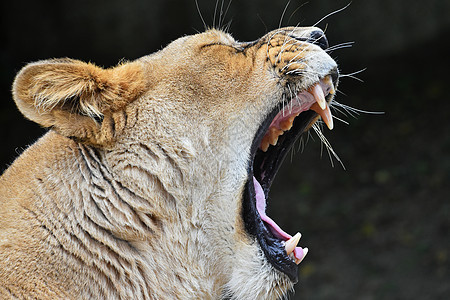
{"points": [[316, 37]]}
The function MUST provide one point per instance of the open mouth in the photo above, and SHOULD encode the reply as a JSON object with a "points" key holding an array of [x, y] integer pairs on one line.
{"points": [[275, 137]]}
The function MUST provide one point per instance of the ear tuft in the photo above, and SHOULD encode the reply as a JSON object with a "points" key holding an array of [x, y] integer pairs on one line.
{"points": [[60, 90]]}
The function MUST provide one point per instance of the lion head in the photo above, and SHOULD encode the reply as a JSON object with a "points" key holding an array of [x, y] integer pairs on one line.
{"points": [[162, 165]]}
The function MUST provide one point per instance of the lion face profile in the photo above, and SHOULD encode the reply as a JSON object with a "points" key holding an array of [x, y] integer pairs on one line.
{"points": [[151, 182]]}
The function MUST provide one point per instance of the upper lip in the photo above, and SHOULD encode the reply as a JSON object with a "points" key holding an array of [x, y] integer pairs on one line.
{"points": [[265, 164]]}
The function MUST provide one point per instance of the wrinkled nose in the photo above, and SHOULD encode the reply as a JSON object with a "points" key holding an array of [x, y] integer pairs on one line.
{"points": [[311, 35]]}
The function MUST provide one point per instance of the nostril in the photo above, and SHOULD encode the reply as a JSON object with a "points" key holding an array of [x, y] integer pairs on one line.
{"points": [[318, 38]]}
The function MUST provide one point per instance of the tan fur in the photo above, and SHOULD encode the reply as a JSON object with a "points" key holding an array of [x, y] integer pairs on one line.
{"points": [[136, 191], [51, 92]]}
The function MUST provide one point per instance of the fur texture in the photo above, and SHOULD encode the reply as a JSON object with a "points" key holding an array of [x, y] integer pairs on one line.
{"points": [[136, 190]]}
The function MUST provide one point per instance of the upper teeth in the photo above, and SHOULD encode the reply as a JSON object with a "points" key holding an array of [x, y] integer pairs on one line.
{"points": [[287, 124], [325, 114], [317, 92], [320, 106]]}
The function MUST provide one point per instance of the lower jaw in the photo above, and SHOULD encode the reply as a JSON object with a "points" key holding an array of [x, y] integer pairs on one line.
{"points": [[272, 246]]}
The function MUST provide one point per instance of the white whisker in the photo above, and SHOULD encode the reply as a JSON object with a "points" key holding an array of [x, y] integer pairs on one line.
{"points": [[344, 112], [227, 27], [355, 110], [200, 13], [285, 42], [332, 13], [347, 112], [270, 39], [354, 73], [340, 92], [282, 15], [340, 46], [301, 145], [351, 75], [215, 12], [292, 97], [299, 61], [326, 143], [224, 15], [343, 121], [295, 11], [283, 48]]}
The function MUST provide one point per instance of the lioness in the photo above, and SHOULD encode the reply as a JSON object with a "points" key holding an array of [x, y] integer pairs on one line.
{"points": [[152, 179]]}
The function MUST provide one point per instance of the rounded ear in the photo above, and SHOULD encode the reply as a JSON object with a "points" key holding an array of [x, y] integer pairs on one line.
{"points": [[74, 97]]}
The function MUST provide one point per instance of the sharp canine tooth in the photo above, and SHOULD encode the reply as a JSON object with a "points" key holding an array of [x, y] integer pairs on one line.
{"points": [[325, 114], [317, 92], [292, 243], [297, 260]]}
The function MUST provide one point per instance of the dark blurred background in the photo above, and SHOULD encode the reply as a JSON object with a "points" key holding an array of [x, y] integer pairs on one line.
{"points": [[378, 229]]}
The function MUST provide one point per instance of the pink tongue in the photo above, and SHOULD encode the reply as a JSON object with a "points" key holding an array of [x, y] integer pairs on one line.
{"points": [[275, 229]]}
